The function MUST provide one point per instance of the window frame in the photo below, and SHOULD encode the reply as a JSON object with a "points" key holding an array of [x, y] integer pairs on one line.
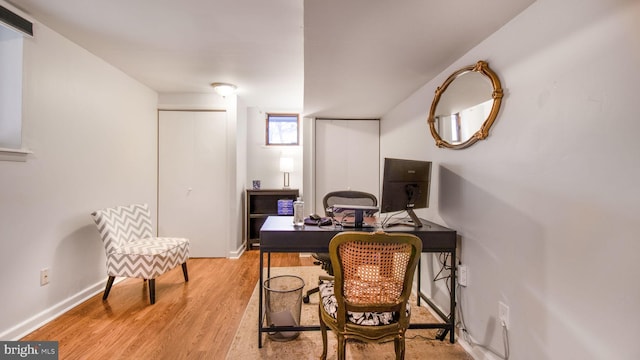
{"points": [[269, 120]]}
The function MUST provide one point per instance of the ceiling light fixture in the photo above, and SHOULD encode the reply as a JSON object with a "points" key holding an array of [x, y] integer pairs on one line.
{"points": [[223, 89]]}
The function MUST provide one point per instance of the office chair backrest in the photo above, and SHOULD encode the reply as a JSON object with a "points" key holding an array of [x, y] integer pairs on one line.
{"points": [[348, 197]]}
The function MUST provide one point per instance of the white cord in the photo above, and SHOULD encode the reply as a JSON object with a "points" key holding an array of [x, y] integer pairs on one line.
{"points": [[505, 340], [467, 335]]}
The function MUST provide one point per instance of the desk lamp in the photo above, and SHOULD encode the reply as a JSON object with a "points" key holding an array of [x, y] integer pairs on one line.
{"points": [[286, 166]]}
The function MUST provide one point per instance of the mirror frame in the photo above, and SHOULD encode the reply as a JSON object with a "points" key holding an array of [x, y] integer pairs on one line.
{"points": [[481, 67]]}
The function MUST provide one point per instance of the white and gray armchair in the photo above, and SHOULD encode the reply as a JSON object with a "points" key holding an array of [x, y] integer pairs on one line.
{"points": [[132, 250]]}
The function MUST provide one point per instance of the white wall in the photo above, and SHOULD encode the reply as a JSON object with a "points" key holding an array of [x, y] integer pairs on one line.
{"points": [[263, 162], [249, 157], [193, 101], [547, 207], [236, 145], [92, 130], [241, 176]]}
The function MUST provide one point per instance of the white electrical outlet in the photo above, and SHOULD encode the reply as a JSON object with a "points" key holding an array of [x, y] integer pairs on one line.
{"points": [[503, 314], [44, 277], [462, 275]]}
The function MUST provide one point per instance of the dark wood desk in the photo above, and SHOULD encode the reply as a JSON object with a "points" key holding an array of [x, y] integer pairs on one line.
{"points": [[279, 235]]}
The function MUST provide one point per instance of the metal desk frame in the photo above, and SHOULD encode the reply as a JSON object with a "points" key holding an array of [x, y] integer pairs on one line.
{"points": [[280, 236]]}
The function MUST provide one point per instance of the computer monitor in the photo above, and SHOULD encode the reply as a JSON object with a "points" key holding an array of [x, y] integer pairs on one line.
{"points": [[405, 186]]}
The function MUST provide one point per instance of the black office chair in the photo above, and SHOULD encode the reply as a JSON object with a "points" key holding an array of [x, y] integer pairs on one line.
{"points": [[343, 197]]}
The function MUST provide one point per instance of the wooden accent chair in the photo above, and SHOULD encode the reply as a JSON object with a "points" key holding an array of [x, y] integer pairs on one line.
{"points": [[342, 197], [133, 251], [368, 296]]}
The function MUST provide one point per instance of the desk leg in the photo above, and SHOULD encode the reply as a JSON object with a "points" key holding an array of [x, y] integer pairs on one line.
{"points": [[268, 265], [260, 282], [453, 296], [260, 301], [419, 278]]}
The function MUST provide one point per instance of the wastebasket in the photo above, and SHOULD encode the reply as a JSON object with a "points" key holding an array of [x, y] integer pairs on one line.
{"points": [[283, 303]]}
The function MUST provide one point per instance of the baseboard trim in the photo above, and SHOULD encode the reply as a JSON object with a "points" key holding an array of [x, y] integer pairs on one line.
{"points": [[477, 352], [235, 254], [35, 322]]}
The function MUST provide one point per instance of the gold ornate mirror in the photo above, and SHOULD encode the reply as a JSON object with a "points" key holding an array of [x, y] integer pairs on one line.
{"points": [[465, 106]]}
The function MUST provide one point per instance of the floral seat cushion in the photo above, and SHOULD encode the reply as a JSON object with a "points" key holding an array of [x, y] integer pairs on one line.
{"points": [[330, 305]]}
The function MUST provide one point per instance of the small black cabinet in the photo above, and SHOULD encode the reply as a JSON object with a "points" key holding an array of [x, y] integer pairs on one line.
{"points": [[261, 204]]}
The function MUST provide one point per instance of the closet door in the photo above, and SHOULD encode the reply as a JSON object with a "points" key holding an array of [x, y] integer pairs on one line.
{"points": [[193, 181], [347, 157]]}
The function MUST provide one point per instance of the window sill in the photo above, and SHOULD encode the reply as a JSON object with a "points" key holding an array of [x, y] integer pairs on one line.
{"points": [[14, 154]]}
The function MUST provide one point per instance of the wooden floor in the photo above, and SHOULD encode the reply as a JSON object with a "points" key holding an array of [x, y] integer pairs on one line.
{"points": [[193, 320]]}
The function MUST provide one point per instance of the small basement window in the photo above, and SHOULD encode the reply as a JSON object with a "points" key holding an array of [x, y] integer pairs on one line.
{"points": [[13, 28], [282, 129]]}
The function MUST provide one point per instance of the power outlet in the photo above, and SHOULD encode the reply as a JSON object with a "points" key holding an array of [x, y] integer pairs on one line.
{"points": [[44, 277], [462, 275], [503, 314]]}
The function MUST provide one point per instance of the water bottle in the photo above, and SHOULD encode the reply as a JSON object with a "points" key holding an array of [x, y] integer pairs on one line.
{"points": [[298, 212]]}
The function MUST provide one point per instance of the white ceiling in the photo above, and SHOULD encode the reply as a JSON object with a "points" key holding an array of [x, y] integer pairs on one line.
{"points": [[325, 58]]}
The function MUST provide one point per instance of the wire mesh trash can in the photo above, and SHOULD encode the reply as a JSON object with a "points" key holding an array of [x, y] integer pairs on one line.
{"points": [[283, 304]]}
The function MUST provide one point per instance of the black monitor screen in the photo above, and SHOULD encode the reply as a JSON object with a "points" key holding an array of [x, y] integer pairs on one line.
{"points": [[405, 185]]}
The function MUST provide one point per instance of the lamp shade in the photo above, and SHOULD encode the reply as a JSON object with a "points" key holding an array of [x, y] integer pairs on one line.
{"points": [[286, 164]]}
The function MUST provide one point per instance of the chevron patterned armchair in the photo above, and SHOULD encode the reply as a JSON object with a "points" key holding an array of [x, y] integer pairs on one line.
{"points": [[133, 251]]}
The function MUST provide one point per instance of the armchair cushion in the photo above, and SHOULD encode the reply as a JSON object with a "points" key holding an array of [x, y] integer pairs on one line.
{"points": [[330, 305], [147, 258]]}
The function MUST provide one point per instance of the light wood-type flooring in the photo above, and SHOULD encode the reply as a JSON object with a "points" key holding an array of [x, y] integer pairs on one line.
{"points": [[193, 320]]}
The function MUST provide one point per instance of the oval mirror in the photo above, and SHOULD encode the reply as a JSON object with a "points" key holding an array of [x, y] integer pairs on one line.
{"points": [[465, 106]]}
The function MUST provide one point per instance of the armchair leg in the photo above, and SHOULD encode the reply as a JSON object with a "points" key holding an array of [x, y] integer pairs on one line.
{"points": [[399, 347], [184, 272], [323, 329], [152, 291], [342, 347], [108, 288]]}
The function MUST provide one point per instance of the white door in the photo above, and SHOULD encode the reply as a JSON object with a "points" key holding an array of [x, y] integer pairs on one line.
{"points": [[193, 181], [347, 157]]}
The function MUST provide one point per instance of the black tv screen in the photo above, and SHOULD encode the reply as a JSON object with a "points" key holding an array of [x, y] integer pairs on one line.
{"points": [[405, 185]]}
